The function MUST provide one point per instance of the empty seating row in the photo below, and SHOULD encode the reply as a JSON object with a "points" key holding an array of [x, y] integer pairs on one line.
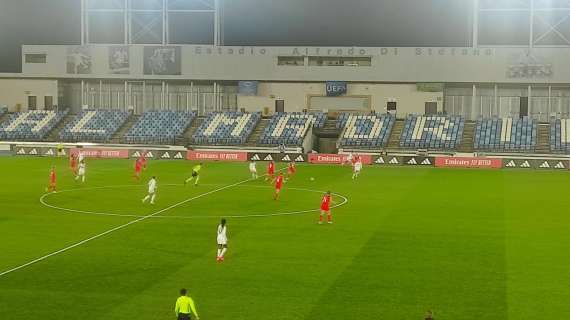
{"points": [[30, 125], [94, 125], [507, 134], [226, 128], [290, 128], [560, 135], [159, 126], [432, 132], [365, 131]]}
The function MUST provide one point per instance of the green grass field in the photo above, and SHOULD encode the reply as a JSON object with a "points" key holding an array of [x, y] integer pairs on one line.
{"points": [[469, 244]]}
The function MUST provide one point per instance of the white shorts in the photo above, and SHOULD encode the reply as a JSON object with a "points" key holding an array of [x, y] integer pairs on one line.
{"points": [[151, 191], [81, 172], [253, 170], [222, 241]]}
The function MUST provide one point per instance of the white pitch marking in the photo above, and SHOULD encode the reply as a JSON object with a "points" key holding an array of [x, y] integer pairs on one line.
{"points": [[117, 228], [258, 215]]}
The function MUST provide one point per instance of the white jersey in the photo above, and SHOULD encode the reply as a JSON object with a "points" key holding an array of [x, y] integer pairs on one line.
{"points": [[252, 167], [358, 166], [152, 186], [349, 157], [81, 170], [81, 157], [222, 237]]}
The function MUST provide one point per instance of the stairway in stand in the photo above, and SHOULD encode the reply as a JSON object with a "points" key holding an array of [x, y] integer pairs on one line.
{"points": [[468, 140], [120, 134], [53, 136], [253, 138], [543, 138], [394, 140]]}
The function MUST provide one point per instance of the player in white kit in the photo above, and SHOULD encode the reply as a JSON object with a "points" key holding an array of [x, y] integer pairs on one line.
{"points": [[81, 172], [151, 191], [356, 169], [81, 157], [253, 169], [222, 240]]}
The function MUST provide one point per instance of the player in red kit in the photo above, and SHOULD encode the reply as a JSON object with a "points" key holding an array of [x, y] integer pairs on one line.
{"points": [[291, 169], [278, 186], [73, 162], [52, 181], [142, 160], [270, 170], [138, 168], [326, 208]]}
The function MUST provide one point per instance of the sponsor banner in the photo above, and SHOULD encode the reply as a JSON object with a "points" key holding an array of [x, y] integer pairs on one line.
{"points": [[336, 88], [330, 158], [468, 162], [418, 161], [551, 164], [37, 151], [216, 155], [536, 164], [518, 163], [102, 153], [277, 157], [388, 160], [169, 154], [148, 154]]}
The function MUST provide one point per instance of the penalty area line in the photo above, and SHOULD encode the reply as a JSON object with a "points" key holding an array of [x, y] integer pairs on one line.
{"points": [[117, 228]]}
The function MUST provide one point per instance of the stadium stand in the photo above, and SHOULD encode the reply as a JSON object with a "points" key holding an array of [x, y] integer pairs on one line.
{"points": [[560, 136], [30, 125], [506, 134], [94, 125], [432, 132], [226, 128], [290, 128], [159, 127], [365, 131]]}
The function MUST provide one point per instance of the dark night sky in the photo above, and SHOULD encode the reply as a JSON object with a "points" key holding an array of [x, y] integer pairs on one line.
{"points": [[264, 22]]}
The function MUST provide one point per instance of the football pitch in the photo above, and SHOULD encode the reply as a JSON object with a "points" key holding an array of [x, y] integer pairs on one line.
{"points": [[465, 243]]}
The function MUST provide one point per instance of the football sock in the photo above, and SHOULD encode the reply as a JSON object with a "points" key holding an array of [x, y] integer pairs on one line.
{"points": [[223, 252]]}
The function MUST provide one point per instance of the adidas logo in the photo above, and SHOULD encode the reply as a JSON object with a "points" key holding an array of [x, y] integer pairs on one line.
{"points": [[511, 164], [560, 165], [286, 158], [545, 164], [21, 151], [525, 164], [166, 155], [255, 157], [268, 158], [149, 155], [178, 156], [394, 161], [136, 154], [33, 151], [379, 161], [412, 161], [300, 159], [426, 162], [49, 152]]}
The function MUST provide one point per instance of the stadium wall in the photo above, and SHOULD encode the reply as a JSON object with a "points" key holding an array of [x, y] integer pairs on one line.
{"points": [[394, 64], [297, 96], [14, 93]]}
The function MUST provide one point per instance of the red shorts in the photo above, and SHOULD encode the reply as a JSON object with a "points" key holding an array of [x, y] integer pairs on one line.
{"points": [[138, 170], [325, 208], [278, 188]]}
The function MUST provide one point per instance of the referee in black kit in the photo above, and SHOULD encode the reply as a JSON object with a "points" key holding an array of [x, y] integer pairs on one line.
{"points": [[185, 307]]}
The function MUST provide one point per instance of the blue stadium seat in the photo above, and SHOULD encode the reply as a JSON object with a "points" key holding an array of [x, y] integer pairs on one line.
{"points": [[226, 128], [30, 125], [159, 127], [560, 135], [432, 132], [94, 125], [290, 128], [506, 134], [365, 131]]}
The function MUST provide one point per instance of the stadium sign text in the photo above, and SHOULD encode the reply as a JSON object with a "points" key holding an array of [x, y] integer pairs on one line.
{"points": [[335, 158], [216, 156], [466, 162], [102, 153]]}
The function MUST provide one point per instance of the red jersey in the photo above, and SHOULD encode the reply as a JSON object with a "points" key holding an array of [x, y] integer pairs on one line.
{"points": [[72, 160], [279, 182], [291, 168], [271, 168], [138, 165], [326, 203], [52, 176], [142, 160]]}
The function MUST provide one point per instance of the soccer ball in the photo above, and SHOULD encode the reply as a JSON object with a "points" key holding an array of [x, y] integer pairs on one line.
{"points": [[312, 179]]}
